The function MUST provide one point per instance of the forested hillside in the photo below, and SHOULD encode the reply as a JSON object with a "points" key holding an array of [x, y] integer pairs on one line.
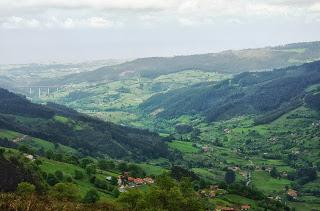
{"points": [[90, 136], [232, 61], [270, 93]]}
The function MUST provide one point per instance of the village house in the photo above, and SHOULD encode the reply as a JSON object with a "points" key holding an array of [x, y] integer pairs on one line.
{"points": [[30, 157], [130, 179], [277, 198], [243, 174], [124, 181], [292, 193], [148, 180], [205, 149], [224, 209], [138, 181], [245, 207], [227, 130], [212, 194], [268, 169], [295, 152], [214, 187], [234, 168], [131, 182], [203, 193], [209, 194]]}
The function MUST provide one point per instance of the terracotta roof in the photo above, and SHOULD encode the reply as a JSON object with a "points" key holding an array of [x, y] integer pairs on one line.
{"points": [[292, 193], [245, 206], [227, 208], [138, 180]]}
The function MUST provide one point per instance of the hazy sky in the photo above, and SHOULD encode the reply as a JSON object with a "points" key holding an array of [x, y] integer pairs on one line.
{"points": [[76, 30]]}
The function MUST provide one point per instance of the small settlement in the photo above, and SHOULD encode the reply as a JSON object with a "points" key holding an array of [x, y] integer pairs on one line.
{"points": [[214, 191], [125, 182], [242, 208]]}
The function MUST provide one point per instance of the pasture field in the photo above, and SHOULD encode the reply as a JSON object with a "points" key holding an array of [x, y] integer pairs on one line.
{"points": [[182, 146]]}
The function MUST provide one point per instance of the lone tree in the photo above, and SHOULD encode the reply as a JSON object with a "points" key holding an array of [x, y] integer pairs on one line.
{"points": [[91, 196], [274, 172], [78, 174], [59, 175], [65, 191], [229, 177], [25, 188]]}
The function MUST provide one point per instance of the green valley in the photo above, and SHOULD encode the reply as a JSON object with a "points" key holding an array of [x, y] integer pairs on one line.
{"points": [[236, 130]]}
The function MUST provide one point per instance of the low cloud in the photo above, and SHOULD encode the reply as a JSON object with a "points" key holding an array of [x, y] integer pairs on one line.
{"points": [[19, 22], [93, 4], [54, 22], [107, 13]]}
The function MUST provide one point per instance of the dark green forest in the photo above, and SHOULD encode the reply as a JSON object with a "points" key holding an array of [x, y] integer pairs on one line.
{"points": [[269, 94], [90, 136]]}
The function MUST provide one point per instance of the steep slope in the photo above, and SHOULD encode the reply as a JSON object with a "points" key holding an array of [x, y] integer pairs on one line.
{"points": [[90, 136], [247, 93], [14, 172], [232, 61]]}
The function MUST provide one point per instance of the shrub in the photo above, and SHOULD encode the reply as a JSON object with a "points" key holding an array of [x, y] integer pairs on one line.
{"points": [[25, 188], [59, 175], [78, 174], [101, 184], [65, 191], [230, 177], [51, 179], [91, 196], [91, 169]]}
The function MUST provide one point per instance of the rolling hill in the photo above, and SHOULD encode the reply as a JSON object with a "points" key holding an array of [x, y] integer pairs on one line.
{"points": [[58, 124], [232, 61], [270, 93]]}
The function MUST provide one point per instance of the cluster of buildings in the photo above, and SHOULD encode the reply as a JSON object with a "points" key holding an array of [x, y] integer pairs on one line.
{"points": [[125, 181], [213, 191], [293, 194], [242, 208]]}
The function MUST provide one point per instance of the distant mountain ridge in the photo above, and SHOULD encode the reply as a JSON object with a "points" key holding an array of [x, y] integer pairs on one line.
{"points": [[231, 61], [270, 93]]}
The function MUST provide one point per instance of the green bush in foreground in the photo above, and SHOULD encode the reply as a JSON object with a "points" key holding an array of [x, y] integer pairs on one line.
{"points": [[65, 191], [91, 196], [25, 188]]}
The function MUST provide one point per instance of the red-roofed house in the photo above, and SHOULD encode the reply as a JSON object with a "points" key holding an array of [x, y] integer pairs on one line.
{"points": [[292, 193], [225, 209], [138, 181], [130, 179], [245, 207]]}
